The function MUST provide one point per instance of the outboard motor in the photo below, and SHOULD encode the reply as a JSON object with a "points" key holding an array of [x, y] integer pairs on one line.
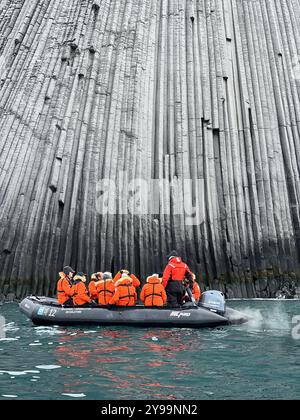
{"points": [[214, 301]]}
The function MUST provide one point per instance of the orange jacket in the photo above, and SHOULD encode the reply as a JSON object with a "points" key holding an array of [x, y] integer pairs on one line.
{"points": [[196, 292], [64, 289], [106, 290], [125, 293], [135, 280], [81, 295], [153, 293], [176, 270], [93, 290]]}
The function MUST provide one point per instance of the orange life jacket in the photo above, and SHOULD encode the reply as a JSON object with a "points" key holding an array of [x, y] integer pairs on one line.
{"points": [[64, 289], [196, 292], [81, 295], [93, 290], [106, 290], [125, 293], [153, 293]]}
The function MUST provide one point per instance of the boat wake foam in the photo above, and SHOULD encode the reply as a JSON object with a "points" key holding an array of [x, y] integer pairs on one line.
{"points": [[275, 320]]}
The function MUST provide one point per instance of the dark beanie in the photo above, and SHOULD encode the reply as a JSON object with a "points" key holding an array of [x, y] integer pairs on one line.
{"points": [[68, 270], [173, 254]]}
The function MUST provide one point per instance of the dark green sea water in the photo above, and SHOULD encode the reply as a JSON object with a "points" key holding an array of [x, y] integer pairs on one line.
{"points": [[256, 361]]}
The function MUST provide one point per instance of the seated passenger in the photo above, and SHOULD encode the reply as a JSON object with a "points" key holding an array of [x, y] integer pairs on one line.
{"points": [[64, 287], [153, 293], [125, 293], [135, 280], [92, 286], [196, 290], [81, 295], [105, 289]]}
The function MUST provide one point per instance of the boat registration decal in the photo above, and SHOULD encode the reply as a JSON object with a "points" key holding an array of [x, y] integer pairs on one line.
{"points": [[41, 311], [180, 314], [52, 313]]}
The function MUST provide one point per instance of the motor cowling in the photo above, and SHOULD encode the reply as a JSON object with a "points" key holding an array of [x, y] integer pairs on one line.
{"points": [[213, 301]]}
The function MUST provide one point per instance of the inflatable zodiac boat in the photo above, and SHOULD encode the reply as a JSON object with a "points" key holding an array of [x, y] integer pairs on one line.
{"points": [[211, 312]]}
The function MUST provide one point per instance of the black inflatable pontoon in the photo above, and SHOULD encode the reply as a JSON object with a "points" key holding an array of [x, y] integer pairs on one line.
{"points": [[211, 313]]}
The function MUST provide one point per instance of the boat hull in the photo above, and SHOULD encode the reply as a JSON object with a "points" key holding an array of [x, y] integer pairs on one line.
{"points": [[43, 311]]}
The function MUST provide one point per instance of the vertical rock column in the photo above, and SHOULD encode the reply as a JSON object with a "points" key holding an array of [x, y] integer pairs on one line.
{"points": [[172, 90]]}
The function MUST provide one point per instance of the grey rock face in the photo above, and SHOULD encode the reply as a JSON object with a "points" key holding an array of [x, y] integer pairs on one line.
{"points": [[156, 89]]}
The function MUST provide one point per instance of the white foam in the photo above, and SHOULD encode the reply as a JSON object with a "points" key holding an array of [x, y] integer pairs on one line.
{"points": [[9, 339], [12, 373], [11, 327], [74, 395], [9, 396], [276, 319], [48, 367], [208, 393], [50, 331]]}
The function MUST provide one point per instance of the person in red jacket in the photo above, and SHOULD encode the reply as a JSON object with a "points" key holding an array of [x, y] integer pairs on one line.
{"points": [[81, 295], [64, 287], [174, 275]]}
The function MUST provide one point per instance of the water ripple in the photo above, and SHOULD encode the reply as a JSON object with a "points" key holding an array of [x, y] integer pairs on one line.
{"points": [[124, 363]]}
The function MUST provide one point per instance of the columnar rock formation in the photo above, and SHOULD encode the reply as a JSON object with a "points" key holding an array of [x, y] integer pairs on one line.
{"points": [[155, 89]]}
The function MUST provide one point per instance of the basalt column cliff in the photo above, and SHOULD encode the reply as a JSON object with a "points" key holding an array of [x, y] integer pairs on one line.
{"points": [[93, 90]]}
